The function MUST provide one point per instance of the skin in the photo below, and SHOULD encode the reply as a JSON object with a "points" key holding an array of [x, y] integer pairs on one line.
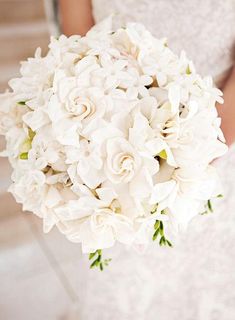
{"points": [[76, 16], [227, 110]]}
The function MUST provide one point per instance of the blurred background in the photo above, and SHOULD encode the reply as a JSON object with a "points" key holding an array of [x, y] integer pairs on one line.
{"points": [[37, 278]]}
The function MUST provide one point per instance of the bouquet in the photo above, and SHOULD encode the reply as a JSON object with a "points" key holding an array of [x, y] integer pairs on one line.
{"points": [[111, 137]]}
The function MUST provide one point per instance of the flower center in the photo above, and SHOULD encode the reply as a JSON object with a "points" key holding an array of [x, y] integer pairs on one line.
{"points": [[126, 163], [80, 107]]}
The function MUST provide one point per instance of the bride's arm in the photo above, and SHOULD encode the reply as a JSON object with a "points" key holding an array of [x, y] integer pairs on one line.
{"points": [[227, 110], [76, 16]]}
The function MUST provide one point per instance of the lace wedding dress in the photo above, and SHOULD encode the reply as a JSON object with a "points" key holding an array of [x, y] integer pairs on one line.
{"points": [[195, 280]]}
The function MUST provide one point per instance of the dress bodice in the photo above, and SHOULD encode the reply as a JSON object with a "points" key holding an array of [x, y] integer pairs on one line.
{"points": [[205, 29]]}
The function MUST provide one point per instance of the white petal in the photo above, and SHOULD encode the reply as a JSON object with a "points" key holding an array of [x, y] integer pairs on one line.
{"points": [[161, 191]]}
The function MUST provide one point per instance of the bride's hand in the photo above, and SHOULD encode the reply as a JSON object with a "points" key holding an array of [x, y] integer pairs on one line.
{"points": [[227, 110]]}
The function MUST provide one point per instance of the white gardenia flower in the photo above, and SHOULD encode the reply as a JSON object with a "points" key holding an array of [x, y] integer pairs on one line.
{"points": [[90, 165], [10, 113], [187, 190], [111, 137], [123, 161], [111, 74], [192, 132], [29, 189], [136, 84], [94, 221]]}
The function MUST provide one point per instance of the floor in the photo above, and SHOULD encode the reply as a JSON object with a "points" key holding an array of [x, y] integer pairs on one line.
{"points": [[23, 28], [39, 273]]}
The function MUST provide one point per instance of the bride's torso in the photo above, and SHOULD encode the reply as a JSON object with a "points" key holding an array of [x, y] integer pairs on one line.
{"points": [[205, 29], [188, 281]]}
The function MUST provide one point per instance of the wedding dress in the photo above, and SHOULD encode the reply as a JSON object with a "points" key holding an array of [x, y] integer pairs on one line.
{"points": [[194, 280]]}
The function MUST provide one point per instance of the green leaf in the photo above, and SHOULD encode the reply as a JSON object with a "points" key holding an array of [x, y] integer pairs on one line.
{"points": [[154, 209], [169, 243], [159, 230], [220, 196], [188, 71], [98, 260], [26, 146], [22, 103], [31, 134], [106, 261], [24, 156], [163, 154], [155, 235], [91, 255], [209, 206], [157, 224], [162, 241], [93, 264]]}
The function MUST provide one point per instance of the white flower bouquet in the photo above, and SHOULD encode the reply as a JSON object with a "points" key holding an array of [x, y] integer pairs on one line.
{"points": [[111, 137]]}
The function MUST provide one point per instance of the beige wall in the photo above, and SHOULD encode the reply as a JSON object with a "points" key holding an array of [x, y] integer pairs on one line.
{"points": [[23, 27]]}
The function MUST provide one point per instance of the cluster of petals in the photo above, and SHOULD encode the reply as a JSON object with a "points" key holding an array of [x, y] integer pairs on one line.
{"points": [[108, 131]]}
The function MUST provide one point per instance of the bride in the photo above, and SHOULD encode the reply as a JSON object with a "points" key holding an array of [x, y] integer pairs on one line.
{"points": [[195, 280]]}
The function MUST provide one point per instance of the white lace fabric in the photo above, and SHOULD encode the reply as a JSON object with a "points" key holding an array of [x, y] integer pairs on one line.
{"points": [[205, 29], [194, 280]]}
